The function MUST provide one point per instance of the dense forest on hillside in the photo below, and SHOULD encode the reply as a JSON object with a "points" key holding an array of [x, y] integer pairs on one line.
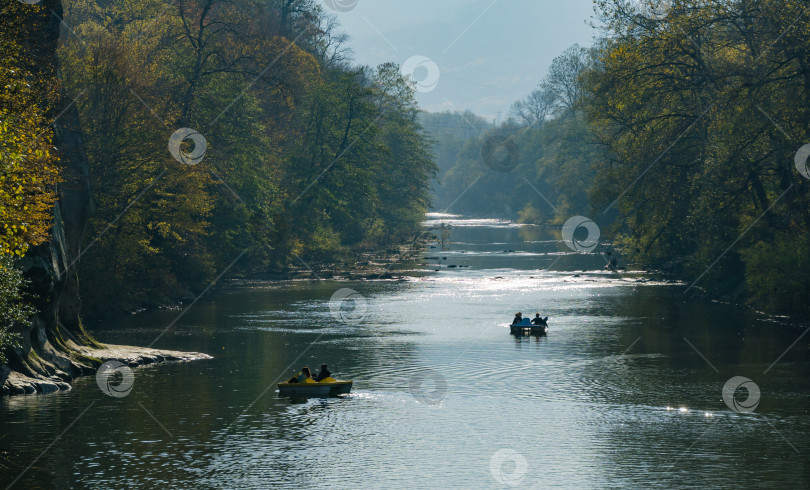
{"points": [[284, 150], [680, 135], [534, 166], [449, 132], [709, 107]]}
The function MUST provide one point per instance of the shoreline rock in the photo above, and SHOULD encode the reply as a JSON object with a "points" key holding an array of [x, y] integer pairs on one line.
{"points": [[50, 378]]}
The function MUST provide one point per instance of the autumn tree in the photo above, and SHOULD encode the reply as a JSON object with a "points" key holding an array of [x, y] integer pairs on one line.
{"points": [[700, 113]]}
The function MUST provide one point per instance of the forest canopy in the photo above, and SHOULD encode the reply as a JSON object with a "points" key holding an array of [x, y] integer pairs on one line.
{"points": [[299, 154]]}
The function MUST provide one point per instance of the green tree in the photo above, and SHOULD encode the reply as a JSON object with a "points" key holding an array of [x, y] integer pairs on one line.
{"points": [[686, 107]]}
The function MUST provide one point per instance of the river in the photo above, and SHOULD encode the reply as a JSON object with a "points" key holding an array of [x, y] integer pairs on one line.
{"points": [[626, 390]]}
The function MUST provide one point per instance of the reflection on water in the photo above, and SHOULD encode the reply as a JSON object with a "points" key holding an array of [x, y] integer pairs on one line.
{"points": [[625, 391]]}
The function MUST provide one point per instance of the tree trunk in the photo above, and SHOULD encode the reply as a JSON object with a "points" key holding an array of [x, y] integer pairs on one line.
{"points": [[52, 267]]}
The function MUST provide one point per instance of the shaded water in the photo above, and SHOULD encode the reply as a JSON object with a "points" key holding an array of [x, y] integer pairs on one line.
{"points": [[625, 391]]}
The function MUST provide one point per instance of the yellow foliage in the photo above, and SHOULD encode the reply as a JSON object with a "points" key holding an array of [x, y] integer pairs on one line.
{"points": [[28, 170]]}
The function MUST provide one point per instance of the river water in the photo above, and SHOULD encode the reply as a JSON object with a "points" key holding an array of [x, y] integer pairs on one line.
{"points": [[626, 390]]}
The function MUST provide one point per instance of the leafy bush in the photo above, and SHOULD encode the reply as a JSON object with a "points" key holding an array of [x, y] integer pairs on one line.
{"points": [[14, 310]]}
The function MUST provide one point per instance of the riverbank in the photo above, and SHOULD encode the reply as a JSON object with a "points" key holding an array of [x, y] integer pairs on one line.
{"points": [[393, 262], [51, 370], [381, 264]]}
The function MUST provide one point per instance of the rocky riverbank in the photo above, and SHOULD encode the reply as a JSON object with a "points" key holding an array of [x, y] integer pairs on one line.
{"points": [[391, 263], [51, 370]]}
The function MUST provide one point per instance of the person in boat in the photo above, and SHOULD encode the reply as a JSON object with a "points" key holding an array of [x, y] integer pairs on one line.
{"points": [[304, 375], [323, 373], [518, 318], [611, 262], [540, 321]]}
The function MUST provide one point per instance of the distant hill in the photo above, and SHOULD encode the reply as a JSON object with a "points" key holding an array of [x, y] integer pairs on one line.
{"points": [[450, 131]]}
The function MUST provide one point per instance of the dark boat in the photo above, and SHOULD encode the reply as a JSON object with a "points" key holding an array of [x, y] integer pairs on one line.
{"points": [[526, 327]]}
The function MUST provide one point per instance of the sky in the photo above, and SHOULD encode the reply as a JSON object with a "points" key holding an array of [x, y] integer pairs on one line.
{"points": [[480, 55]]}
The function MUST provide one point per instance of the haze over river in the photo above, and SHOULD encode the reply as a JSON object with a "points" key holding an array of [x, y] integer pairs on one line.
{"points": [[626, 390]]}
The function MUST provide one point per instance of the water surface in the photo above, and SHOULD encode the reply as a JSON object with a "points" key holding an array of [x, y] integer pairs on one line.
{"points": [[625, 391]]}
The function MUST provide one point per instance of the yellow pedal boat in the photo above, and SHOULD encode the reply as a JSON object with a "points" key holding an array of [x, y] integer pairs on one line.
{"points": [[311, 389]]}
